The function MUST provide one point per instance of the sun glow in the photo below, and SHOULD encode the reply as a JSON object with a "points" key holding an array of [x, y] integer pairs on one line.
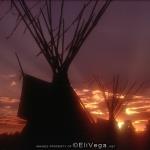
{"points": [[120, 124]]}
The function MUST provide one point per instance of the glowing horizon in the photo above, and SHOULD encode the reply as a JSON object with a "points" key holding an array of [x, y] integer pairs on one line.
{"points": [[137, 111]]}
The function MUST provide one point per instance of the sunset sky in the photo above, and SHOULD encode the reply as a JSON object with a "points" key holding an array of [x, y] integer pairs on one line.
{"points": [[120, 44]]}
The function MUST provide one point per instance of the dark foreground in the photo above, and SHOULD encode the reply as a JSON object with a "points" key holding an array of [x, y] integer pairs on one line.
{"points": [[136, 141]]}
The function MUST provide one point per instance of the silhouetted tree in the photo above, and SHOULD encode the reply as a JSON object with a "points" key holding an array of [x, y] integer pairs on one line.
{"points": [[116, 99]]}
